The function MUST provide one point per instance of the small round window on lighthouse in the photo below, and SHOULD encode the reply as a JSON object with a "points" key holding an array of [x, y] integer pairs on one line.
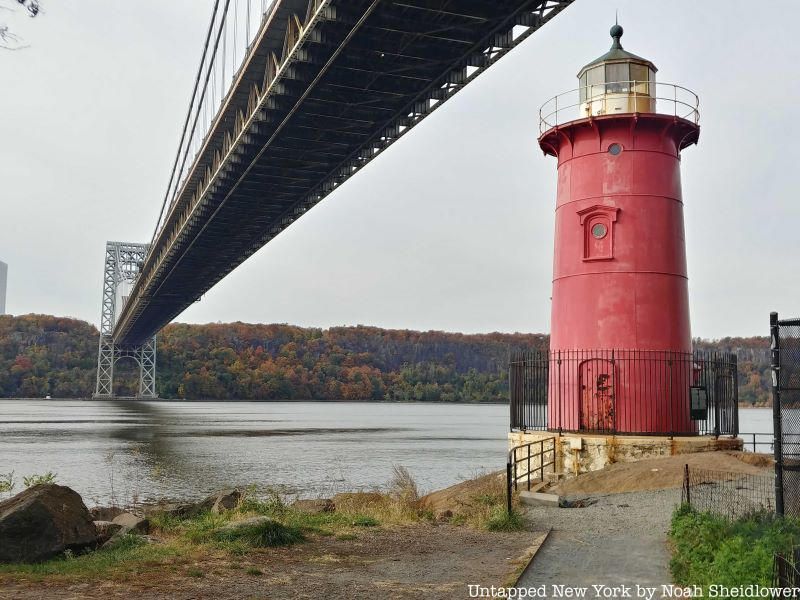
{"points": [[599, 231], [614, 149]]}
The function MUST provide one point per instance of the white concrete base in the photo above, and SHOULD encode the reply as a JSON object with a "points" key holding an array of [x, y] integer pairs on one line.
{"points": [[581, 453]]}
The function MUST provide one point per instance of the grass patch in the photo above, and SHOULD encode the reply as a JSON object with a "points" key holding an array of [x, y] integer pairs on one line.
{"points": [[164, 522], [254, 571], [708, 549], [478, 502], [488, 499], [200, 529], [192, 572], [268, 534], [501, 520], [130, 555], [363, 521]]}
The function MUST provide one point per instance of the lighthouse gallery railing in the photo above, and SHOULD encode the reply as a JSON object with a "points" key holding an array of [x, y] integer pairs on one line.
{"points": [[612, 98], [642, 392]]}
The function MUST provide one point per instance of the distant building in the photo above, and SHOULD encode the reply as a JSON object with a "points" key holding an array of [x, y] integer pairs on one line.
{"points": [[3, 278]]}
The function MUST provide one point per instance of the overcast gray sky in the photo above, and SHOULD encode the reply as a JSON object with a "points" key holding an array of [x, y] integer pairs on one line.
{"points": [[451, 229]]}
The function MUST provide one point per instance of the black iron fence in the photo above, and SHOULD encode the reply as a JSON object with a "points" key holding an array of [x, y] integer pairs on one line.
{"points": [[529, 463], [785, 336], [728, 494], [625, 391]]}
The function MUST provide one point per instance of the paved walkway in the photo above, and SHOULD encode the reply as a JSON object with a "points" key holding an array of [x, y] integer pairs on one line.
{"points": [[619, 541]]}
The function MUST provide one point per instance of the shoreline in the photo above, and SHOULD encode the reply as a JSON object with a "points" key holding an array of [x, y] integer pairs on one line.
{"points": [[245, 400], [240, 401]]}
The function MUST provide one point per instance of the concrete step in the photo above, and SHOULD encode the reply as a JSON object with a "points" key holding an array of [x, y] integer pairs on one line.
{"points": [[539, 499], [538, 487]]}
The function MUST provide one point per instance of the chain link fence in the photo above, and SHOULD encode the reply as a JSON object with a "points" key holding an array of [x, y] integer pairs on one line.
{"points": [[728, 494], [786, 406]]}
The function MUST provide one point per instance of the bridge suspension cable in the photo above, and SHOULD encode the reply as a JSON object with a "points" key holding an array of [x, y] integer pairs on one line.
{"points": [[188, 115], [206, 98]]}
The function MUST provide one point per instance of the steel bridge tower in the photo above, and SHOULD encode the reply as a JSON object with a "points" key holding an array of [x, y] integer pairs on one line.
{"points": [[123, 262]]}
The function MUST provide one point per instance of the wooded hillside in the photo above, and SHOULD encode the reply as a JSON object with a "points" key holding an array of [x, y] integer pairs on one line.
{"points": [[44, 355]]}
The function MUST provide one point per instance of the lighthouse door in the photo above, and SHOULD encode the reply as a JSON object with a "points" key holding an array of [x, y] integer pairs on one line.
{"points": [[597, 385]]}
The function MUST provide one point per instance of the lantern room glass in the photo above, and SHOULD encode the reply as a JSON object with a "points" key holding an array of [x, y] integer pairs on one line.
{"points": [[617, 86]]}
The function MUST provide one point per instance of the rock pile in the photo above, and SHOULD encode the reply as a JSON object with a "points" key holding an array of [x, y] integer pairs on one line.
{"points": [[43, 522]]}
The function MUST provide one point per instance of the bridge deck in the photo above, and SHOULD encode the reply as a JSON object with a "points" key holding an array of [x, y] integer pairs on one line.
{"points": [[340, 89]]}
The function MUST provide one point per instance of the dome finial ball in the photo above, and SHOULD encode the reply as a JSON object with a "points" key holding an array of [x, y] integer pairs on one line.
{"points": [[616, 31]]}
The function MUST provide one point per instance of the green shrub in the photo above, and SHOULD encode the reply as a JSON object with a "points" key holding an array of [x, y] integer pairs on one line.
{"points": [[201, 528], [273, 505], [262, 535], [32, 480], [7, 482], [708, 549]]}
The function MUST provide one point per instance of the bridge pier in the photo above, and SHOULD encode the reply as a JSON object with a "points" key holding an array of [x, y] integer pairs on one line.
{"points": [[123, 262]]}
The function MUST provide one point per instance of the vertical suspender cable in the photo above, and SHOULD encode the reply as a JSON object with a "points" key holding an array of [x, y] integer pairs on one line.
{"points": [[209, 71], [235, 36], [188, 114], [224, 61]]}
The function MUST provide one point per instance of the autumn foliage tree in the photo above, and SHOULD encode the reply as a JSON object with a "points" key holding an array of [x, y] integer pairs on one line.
{"points": [[43, 355]]}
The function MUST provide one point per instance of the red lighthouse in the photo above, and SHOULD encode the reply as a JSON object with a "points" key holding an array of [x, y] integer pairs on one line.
{"points": [[620, 302]]}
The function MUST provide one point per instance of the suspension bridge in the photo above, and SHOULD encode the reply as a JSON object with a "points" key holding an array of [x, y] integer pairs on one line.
{"points": [[291, 99]]}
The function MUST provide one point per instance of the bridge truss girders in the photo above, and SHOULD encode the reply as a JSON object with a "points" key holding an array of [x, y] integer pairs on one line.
{"points": [[326, 88]]}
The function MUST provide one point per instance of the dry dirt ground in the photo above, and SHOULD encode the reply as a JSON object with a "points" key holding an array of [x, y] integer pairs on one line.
{"points": [[660, 473], [419, 561]]}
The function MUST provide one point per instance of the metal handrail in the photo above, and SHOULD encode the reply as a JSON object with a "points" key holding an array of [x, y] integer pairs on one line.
{"points": [[766, 438], [757, 438], [512, 475], [684, 102]]}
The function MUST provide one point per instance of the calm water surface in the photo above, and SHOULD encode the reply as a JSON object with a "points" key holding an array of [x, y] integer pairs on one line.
{"points": [[148, 450]]}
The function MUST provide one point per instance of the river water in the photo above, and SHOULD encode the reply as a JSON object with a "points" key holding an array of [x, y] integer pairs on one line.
{"points": [[140, 451]]}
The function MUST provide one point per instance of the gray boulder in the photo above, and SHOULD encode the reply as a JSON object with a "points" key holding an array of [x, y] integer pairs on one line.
{"points": [[217, 502], [130, 523], [105, 513], [43, 522], [222, 500], [177, 510], [105, 529]]}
